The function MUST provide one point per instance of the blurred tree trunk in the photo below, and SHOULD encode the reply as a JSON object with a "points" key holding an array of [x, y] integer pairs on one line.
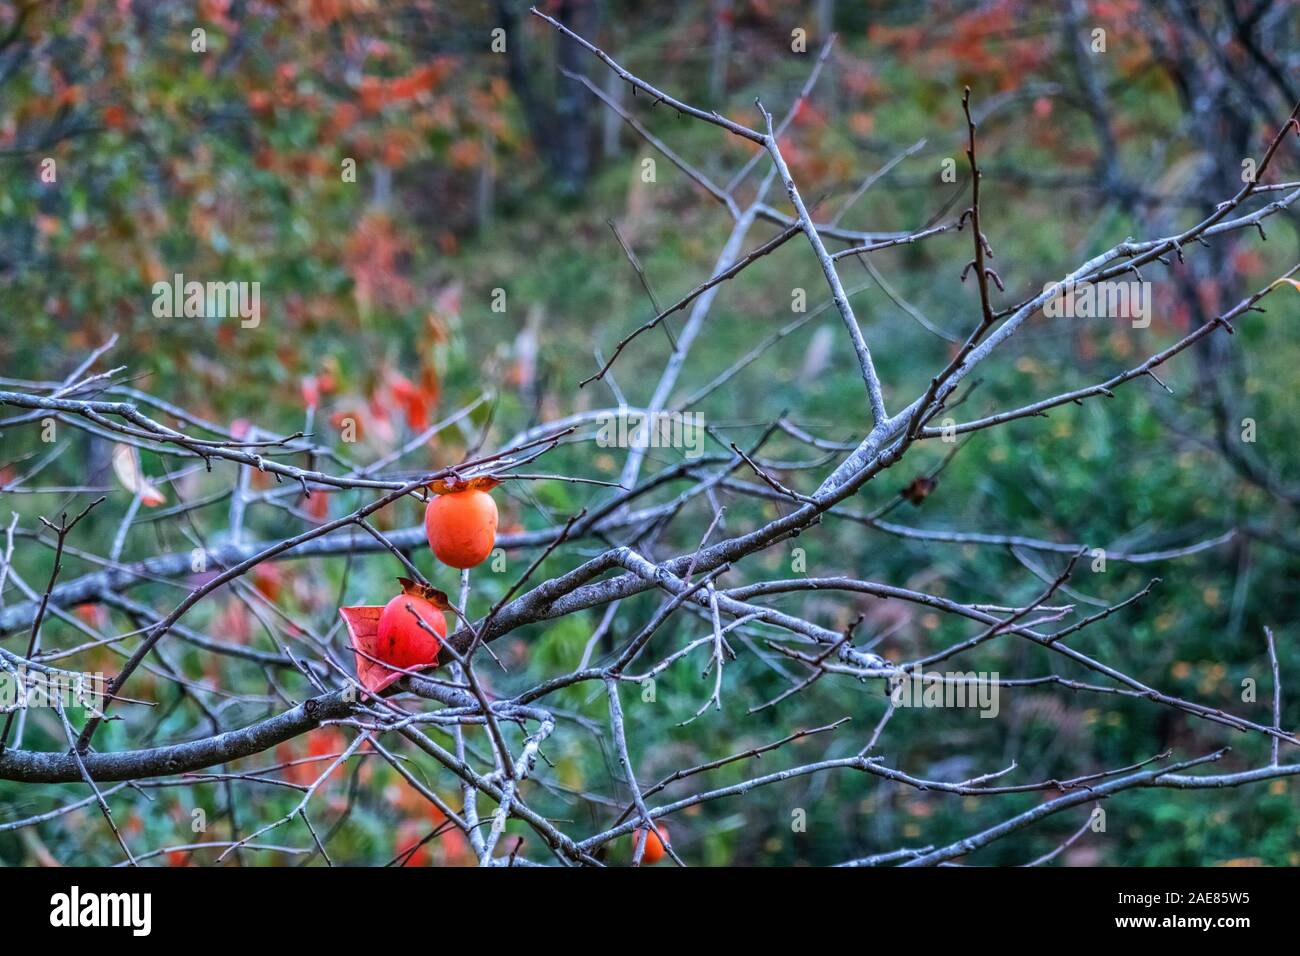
{"points": [[616, 90], [829, 96], [721, 50], [558, 125], [1228, 98], [486, 182]]}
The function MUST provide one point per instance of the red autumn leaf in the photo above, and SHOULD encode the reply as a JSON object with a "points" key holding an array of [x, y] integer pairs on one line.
{"points": [[407, 843], [363, 630], [310, 391], [114, 117], [806, 114], [318, 506], [268, 579], [374, 256], [412, 400], [93, 615], [259, 101], [371, 90], [234, 624]]}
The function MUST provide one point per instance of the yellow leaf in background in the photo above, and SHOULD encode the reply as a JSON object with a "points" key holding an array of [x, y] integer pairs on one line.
{"points": [[126, 465]]}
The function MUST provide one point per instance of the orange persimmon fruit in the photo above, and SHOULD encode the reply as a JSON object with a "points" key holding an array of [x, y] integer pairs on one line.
{"points": [[461, 522], [654, 848], [402, 642]]}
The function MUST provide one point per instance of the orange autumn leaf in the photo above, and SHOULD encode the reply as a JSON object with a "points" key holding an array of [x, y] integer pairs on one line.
{"points": [[373, 256], [269, 580], [413, 400], [259, 101], [114, 117]]}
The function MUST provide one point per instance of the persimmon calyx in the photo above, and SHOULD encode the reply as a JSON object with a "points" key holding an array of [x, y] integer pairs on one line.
{"points": [[426, 592], [454, 484]]}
